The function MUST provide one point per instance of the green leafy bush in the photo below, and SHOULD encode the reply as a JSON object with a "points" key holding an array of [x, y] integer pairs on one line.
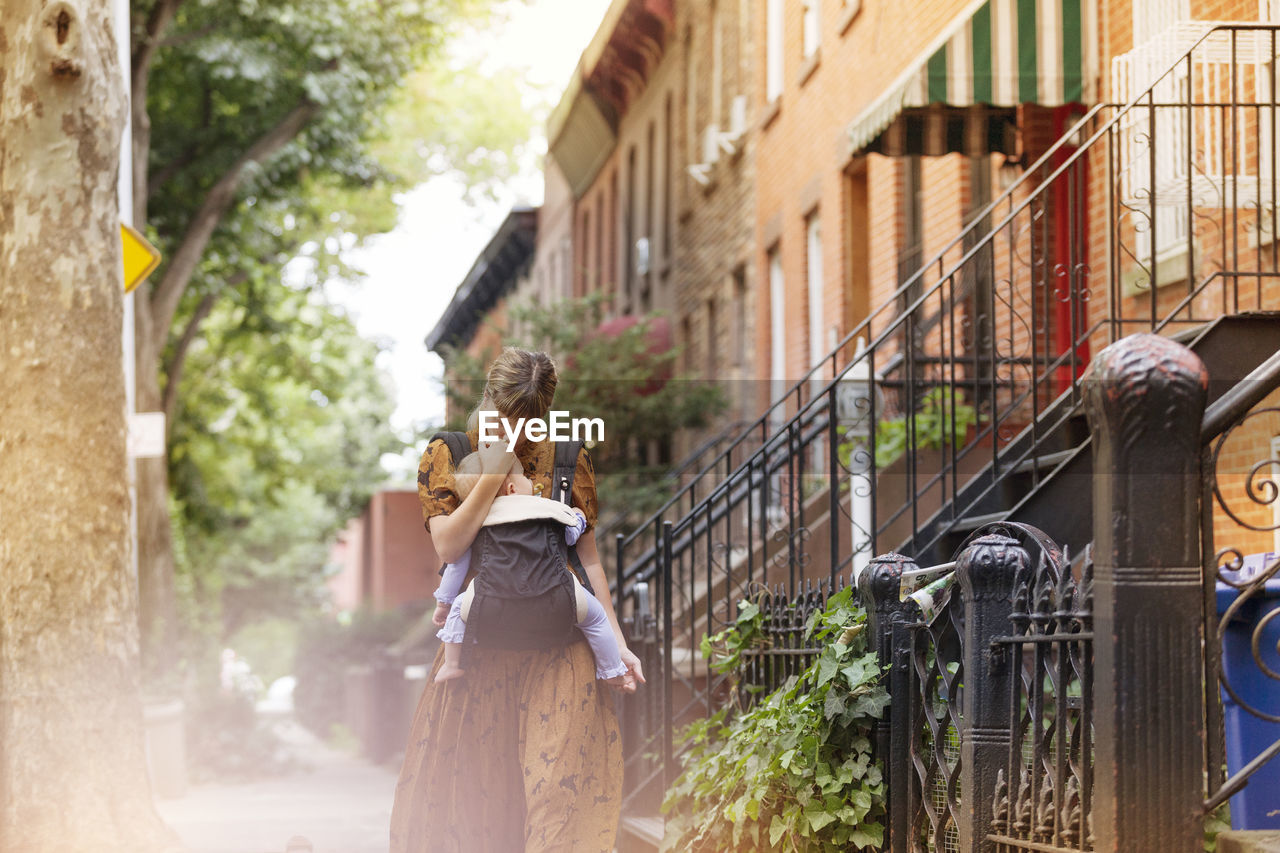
{"points": [[326, 647], [935, 426], [795, 772]]}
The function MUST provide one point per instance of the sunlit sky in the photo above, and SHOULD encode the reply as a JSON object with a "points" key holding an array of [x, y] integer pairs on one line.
{"points": [[413, 271]]}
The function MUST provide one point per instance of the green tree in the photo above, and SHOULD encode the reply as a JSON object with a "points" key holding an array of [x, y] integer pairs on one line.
{"points": [[284, 418], [266, 131]]}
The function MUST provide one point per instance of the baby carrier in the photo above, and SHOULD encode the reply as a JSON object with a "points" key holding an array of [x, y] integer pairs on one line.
{"points": [[523, 596]]}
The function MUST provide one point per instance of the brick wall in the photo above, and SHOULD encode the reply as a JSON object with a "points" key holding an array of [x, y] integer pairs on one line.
{"points": [[386, 556], [803, 165], [713, 285]]}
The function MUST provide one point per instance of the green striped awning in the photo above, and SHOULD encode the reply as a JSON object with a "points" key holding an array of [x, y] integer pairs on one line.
{"points": [[998, 54]]}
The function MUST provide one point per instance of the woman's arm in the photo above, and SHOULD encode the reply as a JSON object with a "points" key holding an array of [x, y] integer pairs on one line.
{"points": [[595, 573], [452, 534]]}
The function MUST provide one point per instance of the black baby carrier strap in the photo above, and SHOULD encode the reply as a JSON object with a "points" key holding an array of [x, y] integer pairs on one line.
{"points": [[566, 465], [458, 442], [459, 445]]}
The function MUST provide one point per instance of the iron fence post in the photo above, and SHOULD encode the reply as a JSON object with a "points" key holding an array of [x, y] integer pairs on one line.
{"points": [[880, 587], [1145, 398], [986, 571]]}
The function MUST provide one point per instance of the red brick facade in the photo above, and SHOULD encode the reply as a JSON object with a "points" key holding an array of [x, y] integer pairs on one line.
{"points": [[385, 555]]}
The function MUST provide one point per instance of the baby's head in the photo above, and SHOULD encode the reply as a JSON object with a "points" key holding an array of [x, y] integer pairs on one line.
{"points": [[467, 474]]}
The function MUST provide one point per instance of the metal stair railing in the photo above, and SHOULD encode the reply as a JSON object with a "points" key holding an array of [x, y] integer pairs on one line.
{"points": [[1003, 331]]}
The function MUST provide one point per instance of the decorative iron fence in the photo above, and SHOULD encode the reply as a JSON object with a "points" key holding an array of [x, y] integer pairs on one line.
{"points": [[1041, 702], [997, 687]]}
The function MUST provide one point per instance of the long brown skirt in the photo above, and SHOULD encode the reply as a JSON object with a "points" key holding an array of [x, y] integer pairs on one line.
{"points": [[521, 753]]}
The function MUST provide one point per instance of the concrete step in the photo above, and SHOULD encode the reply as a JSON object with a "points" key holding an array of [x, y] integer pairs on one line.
{"points": [[641, 832]]}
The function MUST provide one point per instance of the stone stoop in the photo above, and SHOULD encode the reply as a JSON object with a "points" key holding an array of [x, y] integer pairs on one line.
{"points": [[640, 834], [1250, 841]]}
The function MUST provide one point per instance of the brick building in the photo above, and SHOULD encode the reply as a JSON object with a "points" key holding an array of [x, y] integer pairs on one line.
{"points": [[476, 317], [772, 175], [384, 557]]}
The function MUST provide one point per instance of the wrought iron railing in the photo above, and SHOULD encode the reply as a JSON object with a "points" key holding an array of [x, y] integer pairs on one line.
{"points": [[978, 379], [1240, 520], [997, 686], [1002, 733]]}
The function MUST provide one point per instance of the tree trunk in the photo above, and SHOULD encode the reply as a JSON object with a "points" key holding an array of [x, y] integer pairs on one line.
{"points": [[72, 774], [157, 605]]}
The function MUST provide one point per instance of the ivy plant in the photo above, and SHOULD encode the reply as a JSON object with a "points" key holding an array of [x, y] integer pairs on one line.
{"points": [[795, 772]]}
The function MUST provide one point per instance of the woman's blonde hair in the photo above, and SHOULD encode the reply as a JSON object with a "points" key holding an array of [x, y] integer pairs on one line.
{"points": [[467, 473], [521, 384]]}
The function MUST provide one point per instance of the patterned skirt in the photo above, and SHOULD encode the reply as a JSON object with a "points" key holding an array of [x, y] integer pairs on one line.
{"points": [[521, 753]]}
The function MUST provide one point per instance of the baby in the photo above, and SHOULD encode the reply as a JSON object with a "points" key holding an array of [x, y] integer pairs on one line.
{"points": [[452, 608]]}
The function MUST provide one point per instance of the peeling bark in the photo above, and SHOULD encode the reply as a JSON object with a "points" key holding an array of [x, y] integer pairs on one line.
{"points": [[72, 773]]}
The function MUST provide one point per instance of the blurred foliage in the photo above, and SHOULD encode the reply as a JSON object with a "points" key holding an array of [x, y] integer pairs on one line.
{"points": [[284, 417], [269, 646], [281, 415], [228, 742], [621, 377], [326, 648]]}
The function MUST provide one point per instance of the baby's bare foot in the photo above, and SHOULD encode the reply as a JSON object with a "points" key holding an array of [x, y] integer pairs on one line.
{"points": [[447, 673]]}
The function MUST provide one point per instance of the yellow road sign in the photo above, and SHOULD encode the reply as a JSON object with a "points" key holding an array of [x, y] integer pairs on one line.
{"points": [[140, 257]]}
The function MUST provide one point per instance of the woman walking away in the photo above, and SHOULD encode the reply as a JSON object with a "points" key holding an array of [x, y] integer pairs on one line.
{"points": [[524, 752]]}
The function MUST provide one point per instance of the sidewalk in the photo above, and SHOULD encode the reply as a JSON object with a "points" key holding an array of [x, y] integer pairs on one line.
{"points": [[343, 805]]}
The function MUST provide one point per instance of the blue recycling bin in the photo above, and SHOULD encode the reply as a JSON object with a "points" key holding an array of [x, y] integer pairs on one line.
{"points": [[1258, 805]]}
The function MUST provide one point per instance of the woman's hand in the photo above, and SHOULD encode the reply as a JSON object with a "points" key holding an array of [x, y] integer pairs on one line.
{"points": [[627, 683], [634, 672], [494, 458]]}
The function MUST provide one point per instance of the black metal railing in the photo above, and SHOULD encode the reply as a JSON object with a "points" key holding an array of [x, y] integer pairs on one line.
{"points": [[976, 397], [1025, 713], [1240, 517]]}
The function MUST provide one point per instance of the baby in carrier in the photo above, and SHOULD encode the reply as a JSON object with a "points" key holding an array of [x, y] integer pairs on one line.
{"points": [[522, 577]]}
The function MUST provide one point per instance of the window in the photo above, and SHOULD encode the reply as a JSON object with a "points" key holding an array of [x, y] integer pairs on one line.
{"points": [[667, 189], [587, 284], [777, 327], [813, 257], [599, 259], [712, 342], [686, 338], [1151, 17], [649, 179], [692, 140], [773, 50], [812, 9], [740, 317], [628, 228], [614, 278], [911, 240], [1171, 221]]}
